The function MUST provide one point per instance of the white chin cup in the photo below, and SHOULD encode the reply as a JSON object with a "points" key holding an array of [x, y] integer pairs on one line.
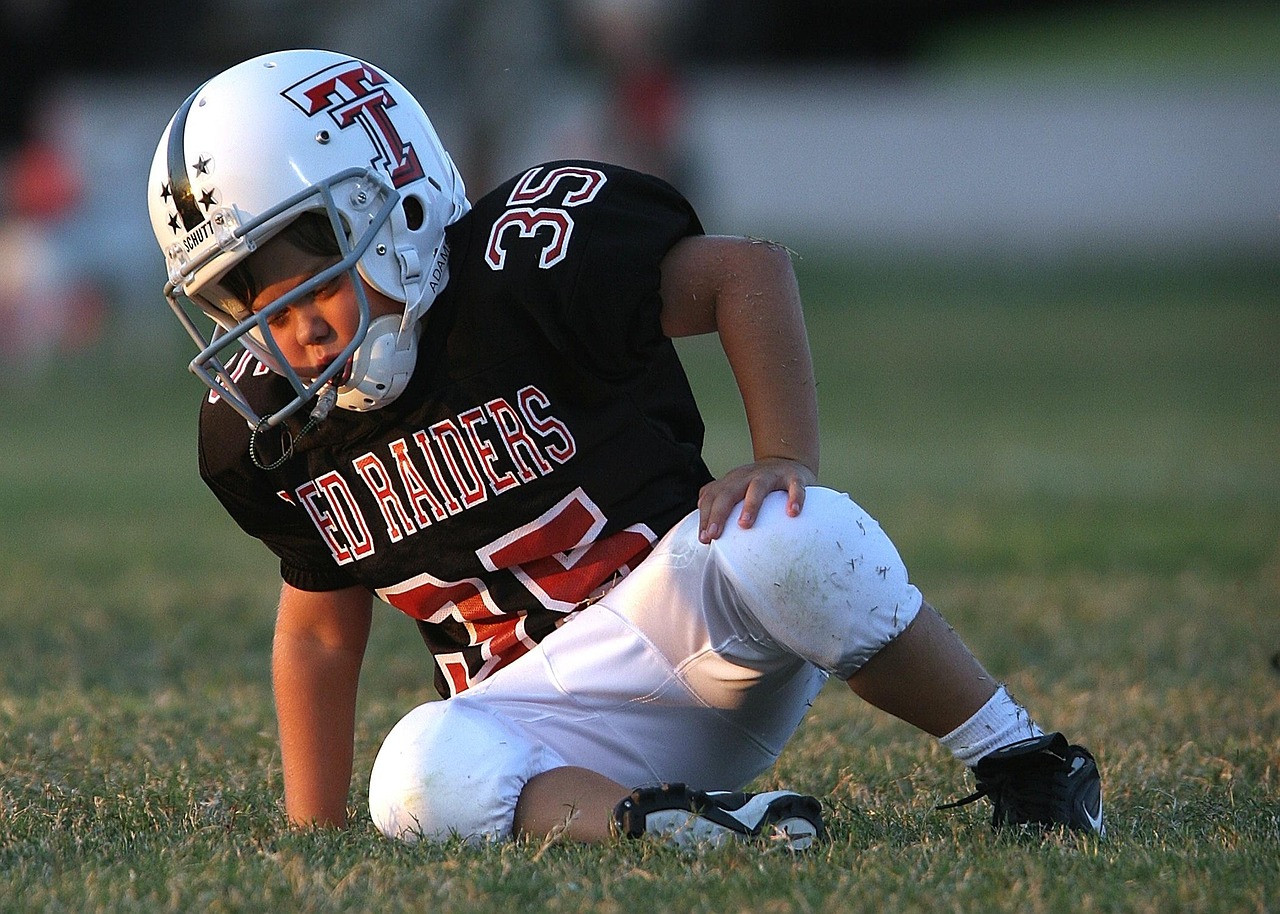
{"points": [[381, 366]]}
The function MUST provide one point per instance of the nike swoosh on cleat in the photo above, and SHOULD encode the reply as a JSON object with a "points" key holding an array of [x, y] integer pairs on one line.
{"points": [[1095, 821]]}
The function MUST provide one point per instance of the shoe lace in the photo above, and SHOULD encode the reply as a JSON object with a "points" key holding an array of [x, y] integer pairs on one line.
{"points": [[1021, 796], [974, 797]]}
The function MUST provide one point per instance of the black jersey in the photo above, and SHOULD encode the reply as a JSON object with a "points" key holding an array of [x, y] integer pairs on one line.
{"points": [[547, 438]]}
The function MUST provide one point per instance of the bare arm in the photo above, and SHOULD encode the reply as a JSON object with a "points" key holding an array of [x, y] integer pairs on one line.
{"points": [[746, 291], [315, 666]]}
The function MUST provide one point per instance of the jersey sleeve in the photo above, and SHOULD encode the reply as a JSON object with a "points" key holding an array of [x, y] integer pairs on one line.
{"points": [[584, 243], [260, 503]]}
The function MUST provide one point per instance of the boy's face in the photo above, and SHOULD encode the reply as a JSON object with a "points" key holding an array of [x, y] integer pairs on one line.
{"points": [[314, 330]]}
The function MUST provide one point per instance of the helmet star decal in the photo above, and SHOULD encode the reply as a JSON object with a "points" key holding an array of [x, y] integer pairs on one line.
{"points": [[209, 197], [166, 195]]}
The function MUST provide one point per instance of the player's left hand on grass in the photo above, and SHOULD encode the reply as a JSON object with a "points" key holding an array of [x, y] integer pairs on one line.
{"points": [[749, 485]]}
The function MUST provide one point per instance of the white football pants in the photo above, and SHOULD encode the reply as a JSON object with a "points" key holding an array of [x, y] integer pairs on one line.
{"points": [[697, 667]]}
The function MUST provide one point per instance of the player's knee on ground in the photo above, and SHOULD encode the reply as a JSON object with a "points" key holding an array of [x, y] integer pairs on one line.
{"points": [[450, 768], [828, 585]]}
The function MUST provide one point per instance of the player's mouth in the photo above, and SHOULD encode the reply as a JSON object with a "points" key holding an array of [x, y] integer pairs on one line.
{"points": [[340, 379]]}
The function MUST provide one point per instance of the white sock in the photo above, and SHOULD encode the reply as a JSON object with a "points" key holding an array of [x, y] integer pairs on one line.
{"points": [[999, 722]]}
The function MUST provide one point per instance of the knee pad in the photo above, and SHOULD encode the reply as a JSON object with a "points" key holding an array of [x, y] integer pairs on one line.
{"points": [[450, 768], [829, 585]]}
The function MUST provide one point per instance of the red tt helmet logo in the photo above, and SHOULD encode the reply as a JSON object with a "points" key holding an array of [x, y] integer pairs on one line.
{"points": [[354, 93]]}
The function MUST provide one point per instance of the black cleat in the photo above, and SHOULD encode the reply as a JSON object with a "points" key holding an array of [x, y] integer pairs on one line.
{"points": [[1040, 781], [687, 817]]}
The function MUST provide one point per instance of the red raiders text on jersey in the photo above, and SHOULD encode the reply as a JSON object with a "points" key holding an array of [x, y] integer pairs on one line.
{"points": [[547, 438]]}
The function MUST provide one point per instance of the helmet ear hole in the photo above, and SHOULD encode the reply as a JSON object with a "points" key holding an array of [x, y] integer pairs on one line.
{"points": [[413, 213]]}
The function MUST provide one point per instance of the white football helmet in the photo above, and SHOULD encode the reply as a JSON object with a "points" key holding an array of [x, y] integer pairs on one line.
{"points": [[277, 136]]}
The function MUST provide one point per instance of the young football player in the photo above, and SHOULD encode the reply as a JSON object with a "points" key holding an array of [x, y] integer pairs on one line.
{"points": [[476, 414]]}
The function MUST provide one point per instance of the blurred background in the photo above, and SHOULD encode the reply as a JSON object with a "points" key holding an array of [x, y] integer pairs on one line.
{"points": [[1022, 132]]}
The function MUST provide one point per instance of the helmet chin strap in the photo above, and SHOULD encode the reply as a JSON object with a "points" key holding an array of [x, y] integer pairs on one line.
{"points": [[421, 287], [384, 362], [381, 366], [411, 281]]}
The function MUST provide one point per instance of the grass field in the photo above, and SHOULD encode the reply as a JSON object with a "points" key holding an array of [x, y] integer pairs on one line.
{"points": [[1082, 468]]}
